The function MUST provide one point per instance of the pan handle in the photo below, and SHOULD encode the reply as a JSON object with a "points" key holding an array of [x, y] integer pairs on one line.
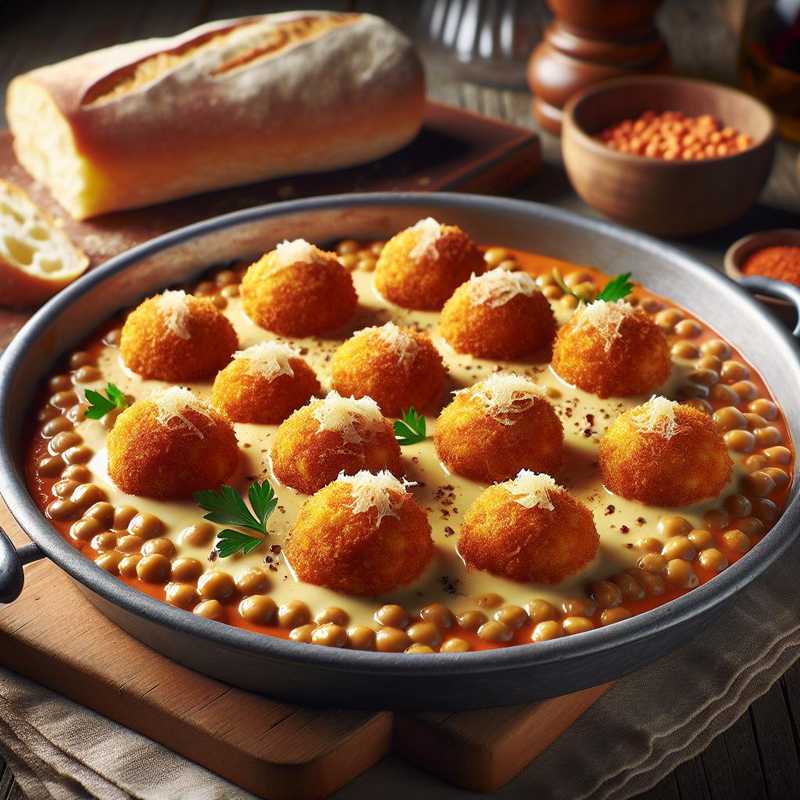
{"points": [[11, 563], [758, 284]]}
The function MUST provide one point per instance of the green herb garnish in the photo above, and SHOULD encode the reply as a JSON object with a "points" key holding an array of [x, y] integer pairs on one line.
{"points": [[227, 507], [230, 541], [100, 405], [411, 429], [617, 288]]}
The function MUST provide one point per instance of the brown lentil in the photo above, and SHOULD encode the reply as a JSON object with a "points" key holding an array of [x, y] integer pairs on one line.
{"points": [[182, 595], [391, 640], [329, 634], [361, 637], [472, 620], [260, 609], [302, 633], [293, 614], [572, 625], [392, 616], [215, 585], [256, 581], [548, 629], [425, 633], [494, 631]]}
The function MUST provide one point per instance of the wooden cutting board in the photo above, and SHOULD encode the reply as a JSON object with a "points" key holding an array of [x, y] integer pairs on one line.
{"points": [[456, 150], [279, 751]]}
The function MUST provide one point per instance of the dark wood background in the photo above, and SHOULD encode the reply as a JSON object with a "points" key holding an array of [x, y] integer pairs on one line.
{"points": [[759, 756]]}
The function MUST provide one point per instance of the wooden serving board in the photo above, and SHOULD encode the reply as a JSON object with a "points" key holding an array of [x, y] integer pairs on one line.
{"points": [[456, 150], [279, 751]]}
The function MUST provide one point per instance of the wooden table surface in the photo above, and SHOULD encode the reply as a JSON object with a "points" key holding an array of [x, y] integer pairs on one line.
{"points": [[759, 756]]}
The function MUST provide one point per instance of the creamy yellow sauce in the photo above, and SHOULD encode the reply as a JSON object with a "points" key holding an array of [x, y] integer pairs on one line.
{"points": [[445, 496]]}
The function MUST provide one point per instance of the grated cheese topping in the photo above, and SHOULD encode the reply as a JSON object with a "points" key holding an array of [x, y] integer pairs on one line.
{"points": [[532, 489], [270, 359], [374, 490], [399, 340], [298, 251], [504, 394], [346, 414], [657, 415], [174, 309], [173, 402], [496, 287], [606, 318], [429, 231]]}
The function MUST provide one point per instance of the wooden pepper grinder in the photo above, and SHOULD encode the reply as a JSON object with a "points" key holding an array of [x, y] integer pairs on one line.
{"points": [[590, 41]]}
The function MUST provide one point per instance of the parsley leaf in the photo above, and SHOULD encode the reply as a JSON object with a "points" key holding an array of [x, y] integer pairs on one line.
{"points": [[230, 542], [227, 507], [100, 405], [617, 288], [411, 429]]}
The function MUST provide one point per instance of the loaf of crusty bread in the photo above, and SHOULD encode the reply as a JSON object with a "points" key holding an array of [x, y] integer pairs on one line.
{"points": [[227, 103]]}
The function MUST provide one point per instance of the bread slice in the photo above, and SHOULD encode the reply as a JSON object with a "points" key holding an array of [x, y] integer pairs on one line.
{"points": [[230, 102], [37, 258]]}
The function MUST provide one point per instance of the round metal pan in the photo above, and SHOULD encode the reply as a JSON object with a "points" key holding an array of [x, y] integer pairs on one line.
{"points": [[319, 675]]}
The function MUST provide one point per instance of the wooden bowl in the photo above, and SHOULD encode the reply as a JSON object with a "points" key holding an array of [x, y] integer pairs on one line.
{"points": [[666, 198], [743, 248]]}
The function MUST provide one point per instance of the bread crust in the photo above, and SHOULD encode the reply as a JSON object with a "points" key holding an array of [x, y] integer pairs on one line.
{"points": [[229, 102]]}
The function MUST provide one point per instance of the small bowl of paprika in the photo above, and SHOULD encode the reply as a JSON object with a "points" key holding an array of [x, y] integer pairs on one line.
{"points": [[666, 155], [774, 255]]}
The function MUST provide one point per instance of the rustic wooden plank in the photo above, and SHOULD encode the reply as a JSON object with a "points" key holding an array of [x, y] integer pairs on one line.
{"points": [[776, 744], [482, 750], [740, 741], [667, 789], [717, 767], [691, 780]]}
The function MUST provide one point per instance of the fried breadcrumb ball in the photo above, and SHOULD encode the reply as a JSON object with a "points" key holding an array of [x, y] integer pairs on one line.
{"points": [[499, 314], [298, 290], [528, 529], [664, 454], [170, 445], [396, 367], [497, 427], [177, 337], [362, 535], [264, 384], [332, 436], [423, 265], [612, 350]]}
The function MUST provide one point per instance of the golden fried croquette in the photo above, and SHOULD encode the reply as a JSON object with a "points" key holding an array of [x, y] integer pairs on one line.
{"points": [[396, 367], [423, 265], [177, 337], [528, 529], [332, 436], [664, 454], [264, 384], [497, 427], [170, 445], [298, 290], [362, 535], [612, 350], [499, 314]]}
